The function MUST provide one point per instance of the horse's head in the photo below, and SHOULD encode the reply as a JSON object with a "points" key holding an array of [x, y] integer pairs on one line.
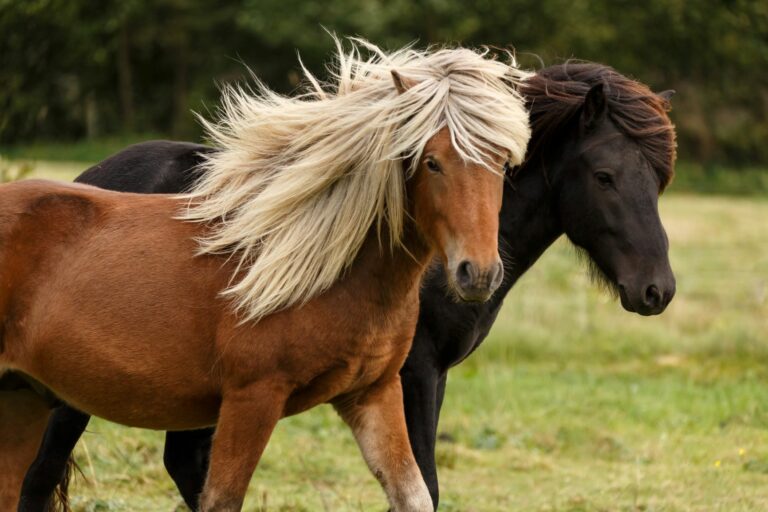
{"points": [[456, 208], [609, 207], [461, 121]]}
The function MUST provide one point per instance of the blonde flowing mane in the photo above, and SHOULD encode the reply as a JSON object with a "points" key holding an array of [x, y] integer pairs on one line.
{"points": [[299, 181]]}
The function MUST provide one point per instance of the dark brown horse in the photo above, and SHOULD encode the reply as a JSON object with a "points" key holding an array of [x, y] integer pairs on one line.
{"points": [[109, 302]]}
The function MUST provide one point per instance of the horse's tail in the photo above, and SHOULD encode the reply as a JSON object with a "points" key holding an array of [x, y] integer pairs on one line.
{"points": [[59, 501]]}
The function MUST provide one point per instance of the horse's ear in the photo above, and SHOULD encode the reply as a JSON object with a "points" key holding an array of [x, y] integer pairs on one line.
{"points": [[594, 106], [666, 95], [401, 84]]}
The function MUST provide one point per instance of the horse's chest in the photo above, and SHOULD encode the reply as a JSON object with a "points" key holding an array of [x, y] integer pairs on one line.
{"points": [[358, 359], [381, 353]]}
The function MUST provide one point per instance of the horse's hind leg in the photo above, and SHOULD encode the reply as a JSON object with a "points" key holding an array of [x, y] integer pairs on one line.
{"points": [[246, 419], [49, 468], [23, 416], [186, 458], [378, 422]]}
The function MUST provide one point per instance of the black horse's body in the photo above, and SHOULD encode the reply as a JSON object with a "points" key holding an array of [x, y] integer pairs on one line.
{"points": [[561, 189]]}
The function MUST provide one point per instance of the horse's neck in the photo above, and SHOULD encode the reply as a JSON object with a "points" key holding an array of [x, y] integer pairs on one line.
{"points": [[390, 276], [529, 221]]}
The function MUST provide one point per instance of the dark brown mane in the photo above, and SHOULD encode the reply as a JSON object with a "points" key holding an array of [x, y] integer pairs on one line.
{"points": [[555, 94]]}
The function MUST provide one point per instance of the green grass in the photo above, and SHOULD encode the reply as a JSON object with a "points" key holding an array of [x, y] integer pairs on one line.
{"points": [[572, 404]]}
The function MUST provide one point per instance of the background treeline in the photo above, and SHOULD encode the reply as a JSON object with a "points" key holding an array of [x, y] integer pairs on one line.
{"points": [[76, 69]]}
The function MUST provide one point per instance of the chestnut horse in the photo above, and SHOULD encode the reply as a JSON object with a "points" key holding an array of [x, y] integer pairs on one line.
{"points": [[223, 306]]}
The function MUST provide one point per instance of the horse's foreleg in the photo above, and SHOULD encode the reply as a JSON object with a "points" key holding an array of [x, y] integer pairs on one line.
{"points": [[23, 417], [378, 422], [186, 458], [246, 420], [64, 430]]}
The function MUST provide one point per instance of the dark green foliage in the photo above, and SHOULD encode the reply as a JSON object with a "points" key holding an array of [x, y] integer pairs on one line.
{"points": [[72, 69]]}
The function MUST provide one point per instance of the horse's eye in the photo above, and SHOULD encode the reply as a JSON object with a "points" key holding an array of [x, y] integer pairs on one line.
{"points": [[432, 165], [604, 178]]}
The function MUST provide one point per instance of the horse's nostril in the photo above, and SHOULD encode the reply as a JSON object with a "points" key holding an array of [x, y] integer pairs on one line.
{"points": [[653, 296], [465, 274]]}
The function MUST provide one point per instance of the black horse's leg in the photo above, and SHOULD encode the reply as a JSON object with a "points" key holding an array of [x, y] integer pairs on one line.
{"points": [[420, 399], [440, 394], [186, 458], [65, 427]]}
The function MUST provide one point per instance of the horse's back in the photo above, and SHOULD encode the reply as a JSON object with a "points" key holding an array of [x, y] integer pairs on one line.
{"points": [[48, 228], [157, 167], [16, 196], [52, 204], [68, 230], [39, 200]]}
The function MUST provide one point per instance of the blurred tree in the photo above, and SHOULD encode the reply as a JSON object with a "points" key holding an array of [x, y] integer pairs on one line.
{"points": [[75, 68]]}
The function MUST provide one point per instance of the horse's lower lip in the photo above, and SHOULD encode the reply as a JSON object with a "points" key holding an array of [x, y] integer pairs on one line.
{"points": [[651, 310]]}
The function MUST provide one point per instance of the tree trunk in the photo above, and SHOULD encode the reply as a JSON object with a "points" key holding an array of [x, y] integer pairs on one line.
{"points": [[125, 77], [180, 101], [91, 117]]}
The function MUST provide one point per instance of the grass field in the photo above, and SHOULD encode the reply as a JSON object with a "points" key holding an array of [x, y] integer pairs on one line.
{"points": [[572, 404]]}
